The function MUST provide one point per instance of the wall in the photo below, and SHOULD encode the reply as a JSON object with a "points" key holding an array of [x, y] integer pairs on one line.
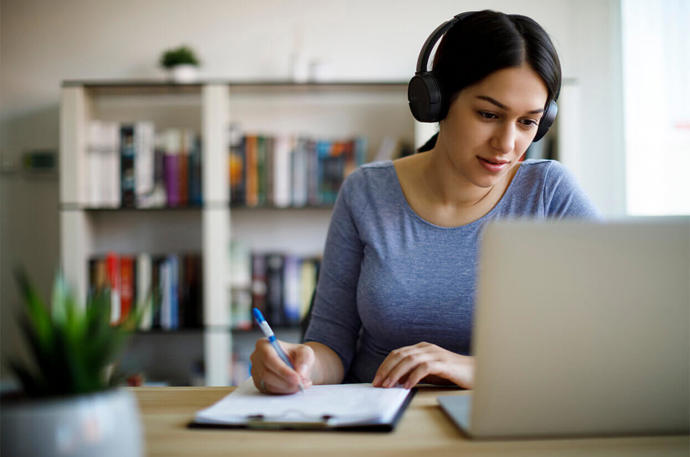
{"points": [[45, 42]]}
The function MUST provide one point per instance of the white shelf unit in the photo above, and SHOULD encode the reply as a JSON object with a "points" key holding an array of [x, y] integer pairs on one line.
{"points": [[327, 110], [86, 232]]}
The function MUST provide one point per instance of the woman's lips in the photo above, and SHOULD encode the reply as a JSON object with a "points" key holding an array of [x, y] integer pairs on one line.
{"points": [[493, 165]]}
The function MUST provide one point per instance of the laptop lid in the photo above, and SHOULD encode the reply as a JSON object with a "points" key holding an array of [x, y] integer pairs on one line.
{"points": [[582, 328]]}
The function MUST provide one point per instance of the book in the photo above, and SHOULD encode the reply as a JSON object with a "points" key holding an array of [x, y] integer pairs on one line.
{"points": [[143, 290], [291, 289], [171, 173], [334, 406], [252, 177], [127, 164], [282, 152], [127, 273], [144, 161], [183, 167], [275, 285], [259, 282], [195, 190], [112, 269]]}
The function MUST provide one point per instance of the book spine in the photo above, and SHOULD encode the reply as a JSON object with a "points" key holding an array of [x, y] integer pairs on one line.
{"points": [[144, 137], [144, 290], [291, 300], [307, 285], [172, 147], [195, 197], [174, 284], [281, 171], [165, 276], [126, 286], [261, 171], [237, 166], [259, 282], [112, 185], [157, 289], [183, 168], [127, 172], [275, 293], [312, 173], [112, 264], [252, 194]]}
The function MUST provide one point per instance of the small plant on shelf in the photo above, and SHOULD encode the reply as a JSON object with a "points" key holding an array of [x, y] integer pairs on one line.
{"points": [[181, 63]]}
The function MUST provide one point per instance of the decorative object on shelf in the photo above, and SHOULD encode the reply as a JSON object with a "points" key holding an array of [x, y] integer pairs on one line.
{"points": [[181, 64], [69, 405]]}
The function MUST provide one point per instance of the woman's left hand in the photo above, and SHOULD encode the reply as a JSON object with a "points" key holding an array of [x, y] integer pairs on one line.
{"points": [[424, 362]]}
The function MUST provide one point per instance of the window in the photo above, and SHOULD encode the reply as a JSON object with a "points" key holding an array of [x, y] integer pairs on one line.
{"points": [[656, 77]]}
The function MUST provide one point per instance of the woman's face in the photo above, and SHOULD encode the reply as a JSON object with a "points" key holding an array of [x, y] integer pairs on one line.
{"points": [[491, 123]]}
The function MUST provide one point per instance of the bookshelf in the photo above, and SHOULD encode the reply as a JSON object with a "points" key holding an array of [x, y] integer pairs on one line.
{"points": [[376, 110]]}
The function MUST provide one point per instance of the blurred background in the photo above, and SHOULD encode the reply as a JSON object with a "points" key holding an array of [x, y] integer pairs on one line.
{"points": [[624, 128]]}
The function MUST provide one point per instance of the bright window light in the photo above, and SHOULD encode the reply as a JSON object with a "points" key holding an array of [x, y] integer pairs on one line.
{"points": [[656, 75]]}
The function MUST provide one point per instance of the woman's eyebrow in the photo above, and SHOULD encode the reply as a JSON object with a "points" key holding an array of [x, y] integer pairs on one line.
{"points": [[504, 107]]}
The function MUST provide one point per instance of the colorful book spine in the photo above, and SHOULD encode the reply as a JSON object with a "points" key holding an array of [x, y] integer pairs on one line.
{"points": [[127, 272], [171, 167], [252, 191]]}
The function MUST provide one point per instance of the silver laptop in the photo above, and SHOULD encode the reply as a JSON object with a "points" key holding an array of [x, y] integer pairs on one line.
{"points": [[580, 329]]}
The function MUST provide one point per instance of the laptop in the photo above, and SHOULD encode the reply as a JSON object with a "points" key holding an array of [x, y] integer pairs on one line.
{"points": [[581, 329]]}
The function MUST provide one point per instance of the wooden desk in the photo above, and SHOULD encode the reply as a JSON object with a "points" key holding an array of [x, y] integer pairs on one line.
{"points": [[424, 431]]}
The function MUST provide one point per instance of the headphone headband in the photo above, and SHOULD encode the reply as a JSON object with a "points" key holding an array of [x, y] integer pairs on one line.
{"points": [[423, 59]]}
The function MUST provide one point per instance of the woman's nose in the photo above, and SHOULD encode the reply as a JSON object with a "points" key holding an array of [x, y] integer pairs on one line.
{"points": [[503, 139]]}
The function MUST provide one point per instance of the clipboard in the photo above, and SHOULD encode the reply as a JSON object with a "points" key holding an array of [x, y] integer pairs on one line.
{"points": [[353, 407]]}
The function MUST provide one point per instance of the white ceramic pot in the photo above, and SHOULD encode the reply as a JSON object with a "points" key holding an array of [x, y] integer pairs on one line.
{"points": [[184, 73], [105, 424]]}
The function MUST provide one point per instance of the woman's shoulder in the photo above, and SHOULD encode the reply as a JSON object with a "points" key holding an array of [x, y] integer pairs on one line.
{"points": [[369, 181], [546, 171], [371, 174]]}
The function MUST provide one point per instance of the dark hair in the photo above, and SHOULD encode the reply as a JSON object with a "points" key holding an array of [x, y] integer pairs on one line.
{"points": [[487, 41]]}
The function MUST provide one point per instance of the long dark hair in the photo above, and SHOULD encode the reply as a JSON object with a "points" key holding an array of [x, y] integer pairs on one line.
{"points": [[487, 41]]}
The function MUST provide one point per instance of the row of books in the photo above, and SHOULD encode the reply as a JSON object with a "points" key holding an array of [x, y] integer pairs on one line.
{"points": [[172, 283], [279, 284], [131, 165], [285, 170]]}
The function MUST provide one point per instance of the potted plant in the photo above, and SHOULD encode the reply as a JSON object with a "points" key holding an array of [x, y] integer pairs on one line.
{"points": [[68, 404], [181, 64]]}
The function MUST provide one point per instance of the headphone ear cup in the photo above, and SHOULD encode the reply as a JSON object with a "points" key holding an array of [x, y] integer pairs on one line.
{"points": [[546, 120], [424, 96]]}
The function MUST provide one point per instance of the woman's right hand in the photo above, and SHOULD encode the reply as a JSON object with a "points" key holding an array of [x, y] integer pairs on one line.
{"points": [[272, 375]]}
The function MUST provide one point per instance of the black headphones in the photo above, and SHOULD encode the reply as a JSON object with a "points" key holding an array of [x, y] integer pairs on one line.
{"points": [[424, 92]]}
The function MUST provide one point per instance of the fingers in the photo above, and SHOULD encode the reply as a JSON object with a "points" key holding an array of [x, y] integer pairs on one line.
{"points": [[303, 359], [411, 364], [272, 375], [400, 362]]}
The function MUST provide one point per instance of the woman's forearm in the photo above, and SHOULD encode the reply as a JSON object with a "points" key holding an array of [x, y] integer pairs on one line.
{"points": [[328, 369]]}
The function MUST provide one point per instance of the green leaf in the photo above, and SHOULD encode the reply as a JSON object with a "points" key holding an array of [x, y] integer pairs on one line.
{"points": [[36, 309]]}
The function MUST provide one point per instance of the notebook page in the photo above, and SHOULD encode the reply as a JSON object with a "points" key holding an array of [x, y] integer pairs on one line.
{"points": [[342, 403]]}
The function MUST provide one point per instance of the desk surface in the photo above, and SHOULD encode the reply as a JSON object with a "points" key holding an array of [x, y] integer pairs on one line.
{"points": [[424, 430]]}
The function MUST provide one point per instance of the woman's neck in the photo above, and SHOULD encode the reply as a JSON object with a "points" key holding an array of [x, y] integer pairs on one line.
{"points": [[450, 189]]}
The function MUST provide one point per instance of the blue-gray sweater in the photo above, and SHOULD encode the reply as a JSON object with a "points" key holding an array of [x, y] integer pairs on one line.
{"points": [[390, 278]]}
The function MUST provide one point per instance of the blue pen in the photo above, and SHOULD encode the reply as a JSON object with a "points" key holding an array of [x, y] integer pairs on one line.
{"points": [[266, 329]]}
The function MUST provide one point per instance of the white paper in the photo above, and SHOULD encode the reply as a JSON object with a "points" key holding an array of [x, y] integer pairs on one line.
{"points": [[334, 405]]}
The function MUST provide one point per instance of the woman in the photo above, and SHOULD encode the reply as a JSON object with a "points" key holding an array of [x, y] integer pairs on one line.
{"points": [[395, 296]]}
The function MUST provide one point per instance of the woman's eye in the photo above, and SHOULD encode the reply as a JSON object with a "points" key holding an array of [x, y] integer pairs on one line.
{"points": [[529, 122], [487, 115]]}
